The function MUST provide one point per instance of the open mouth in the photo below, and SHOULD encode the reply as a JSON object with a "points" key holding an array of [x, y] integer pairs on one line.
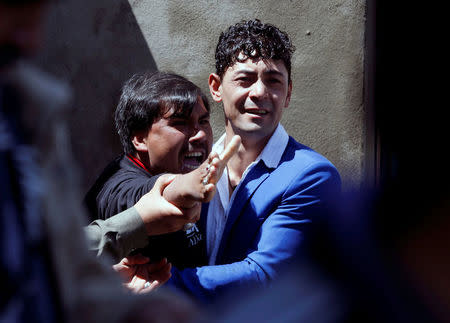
{"points": [[193, 160], [259, 112]]}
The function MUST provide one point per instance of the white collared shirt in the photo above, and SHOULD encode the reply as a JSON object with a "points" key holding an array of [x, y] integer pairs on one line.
{"points": [[219, 205]]}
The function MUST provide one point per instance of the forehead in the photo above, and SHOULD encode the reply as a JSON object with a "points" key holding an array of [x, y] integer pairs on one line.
{"points": [[261, 66], [185, 111]]}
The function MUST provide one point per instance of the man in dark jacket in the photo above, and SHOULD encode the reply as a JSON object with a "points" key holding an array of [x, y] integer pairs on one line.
{"points": [[163, 123]]}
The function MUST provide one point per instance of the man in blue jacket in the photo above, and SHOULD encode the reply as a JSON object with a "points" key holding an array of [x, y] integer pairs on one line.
{"points": [[274, 187]]}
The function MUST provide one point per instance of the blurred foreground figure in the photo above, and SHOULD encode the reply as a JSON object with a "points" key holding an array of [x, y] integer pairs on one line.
{"points": [[47, 273]]}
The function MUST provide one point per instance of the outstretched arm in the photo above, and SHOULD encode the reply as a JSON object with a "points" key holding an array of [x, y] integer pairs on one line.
{"points": [[129, 230], [153, 214]]}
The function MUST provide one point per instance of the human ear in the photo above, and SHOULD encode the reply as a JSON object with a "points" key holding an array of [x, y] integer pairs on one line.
{"points": [[139, 141], [215, 87], [288, 95]]}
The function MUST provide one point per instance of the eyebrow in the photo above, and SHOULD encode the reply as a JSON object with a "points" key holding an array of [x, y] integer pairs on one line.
{"points": [[245, 71], [274, 72], [176, 115], [268, 72]]}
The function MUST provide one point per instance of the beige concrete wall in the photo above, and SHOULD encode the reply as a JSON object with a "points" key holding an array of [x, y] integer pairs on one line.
{"points": [[97, 46]]}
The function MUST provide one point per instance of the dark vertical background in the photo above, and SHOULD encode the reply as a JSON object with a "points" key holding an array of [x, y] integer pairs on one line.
{"points": [[95, 46]]}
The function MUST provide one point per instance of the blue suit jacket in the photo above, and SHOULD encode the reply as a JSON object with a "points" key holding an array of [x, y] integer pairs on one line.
{"points": [[267, 222]]}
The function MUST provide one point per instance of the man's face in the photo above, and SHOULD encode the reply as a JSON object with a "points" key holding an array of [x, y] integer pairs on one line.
{"points": [[179, 143], [254, 94], [20, 30]]}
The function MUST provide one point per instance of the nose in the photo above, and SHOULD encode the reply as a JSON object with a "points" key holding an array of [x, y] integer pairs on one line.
{"points": [[258, 89], [197, 135]]}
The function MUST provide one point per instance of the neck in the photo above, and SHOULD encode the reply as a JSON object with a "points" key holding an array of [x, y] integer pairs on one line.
{"points": [[247, 153]]}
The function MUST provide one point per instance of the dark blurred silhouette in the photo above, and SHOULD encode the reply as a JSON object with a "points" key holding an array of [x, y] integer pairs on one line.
{"points": [[47, 274]]}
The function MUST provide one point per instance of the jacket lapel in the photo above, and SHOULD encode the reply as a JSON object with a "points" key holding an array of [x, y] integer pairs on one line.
{"points": [[246, 189]]}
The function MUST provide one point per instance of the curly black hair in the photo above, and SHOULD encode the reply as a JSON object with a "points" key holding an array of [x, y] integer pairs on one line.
{"points": [[148, 96], [254, 39]]}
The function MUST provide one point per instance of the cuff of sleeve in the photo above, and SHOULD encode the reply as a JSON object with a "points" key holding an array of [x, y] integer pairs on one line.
{"points": [[132, 234]]}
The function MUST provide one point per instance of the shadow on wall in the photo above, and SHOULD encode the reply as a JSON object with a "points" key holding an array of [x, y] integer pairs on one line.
{"points": [[95, 46]]}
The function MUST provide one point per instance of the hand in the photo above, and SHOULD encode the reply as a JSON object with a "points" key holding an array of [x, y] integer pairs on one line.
{"points": [[216, 166], [160, 216], [137, 271], [200, 184]]}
